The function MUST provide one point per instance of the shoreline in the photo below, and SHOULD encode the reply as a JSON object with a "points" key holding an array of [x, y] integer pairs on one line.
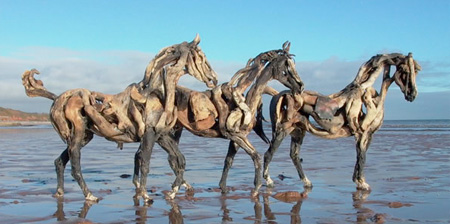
{"points": [[23, 123]]}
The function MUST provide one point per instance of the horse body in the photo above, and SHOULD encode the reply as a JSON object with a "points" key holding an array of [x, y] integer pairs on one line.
{"points": [[143, 112], [223, 112], [357, 110]]}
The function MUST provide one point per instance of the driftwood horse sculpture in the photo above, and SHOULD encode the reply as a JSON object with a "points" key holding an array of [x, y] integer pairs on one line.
{"points": [[224, 112], [357, 110], [141, 112]]}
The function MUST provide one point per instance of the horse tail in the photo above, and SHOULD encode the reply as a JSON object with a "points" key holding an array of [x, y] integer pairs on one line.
{"points": [[259, 127], [276, 110], [34, 87]]}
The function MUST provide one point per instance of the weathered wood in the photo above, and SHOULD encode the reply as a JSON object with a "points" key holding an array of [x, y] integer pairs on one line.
{"points": [[142, 112], [34, 87], [202, 106], [236, 113], [357, 110]]}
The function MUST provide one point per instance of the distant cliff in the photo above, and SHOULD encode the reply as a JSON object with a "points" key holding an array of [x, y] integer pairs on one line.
{"points": [[17, 117]]}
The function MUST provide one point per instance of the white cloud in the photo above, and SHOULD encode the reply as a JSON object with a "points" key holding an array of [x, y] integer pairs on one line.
{"points": [[113, 71], [328, 76], [434, 77], [62, 69]]}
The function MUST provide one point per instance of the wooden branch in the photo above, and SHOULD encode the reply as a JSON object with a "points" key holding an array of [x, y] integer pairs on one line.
{"points": [[34, 87]]}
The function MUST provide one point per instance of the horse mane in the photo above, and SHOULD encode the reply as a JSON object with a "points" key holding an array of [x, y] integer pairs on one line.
{"points": [[243, 78], [185, 56]]}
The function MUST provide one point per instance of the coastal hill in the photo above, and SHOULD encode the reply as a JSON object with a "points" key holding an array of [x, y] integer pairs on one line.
{"points": [[11, 117]]}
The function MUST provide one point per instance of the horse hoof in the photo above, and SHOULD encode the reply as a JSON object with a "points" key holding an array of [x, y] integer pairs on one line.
{"points": [[224, 190], [307, 183], [189, 190], [363, 186], [148, 201], [171, 195], [269, 183], [58, 195], [187, 186], [91, 198]]}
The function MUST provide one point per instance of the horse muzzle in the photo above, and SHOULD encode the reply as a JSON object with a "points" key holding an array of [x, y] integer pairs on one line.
{"points": [[411, 97], [298, 87]]}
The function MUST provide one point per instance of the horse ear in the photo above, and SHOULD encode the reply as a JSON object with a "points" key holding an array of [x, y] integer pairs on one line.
{"points": [[286, 46], [196, 40]]}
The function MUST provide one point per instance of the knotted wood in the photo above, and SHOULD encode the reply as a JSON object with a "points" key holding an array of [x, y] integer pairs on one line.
{"points": [[357, 110]]}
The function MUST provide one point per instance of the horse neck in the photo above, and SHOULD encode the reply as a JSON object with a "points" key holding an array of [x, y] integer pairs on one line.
{"points": [[366, 79], [387, 81], [150, 73], [163, 82], [160, 68], [255, 92]]}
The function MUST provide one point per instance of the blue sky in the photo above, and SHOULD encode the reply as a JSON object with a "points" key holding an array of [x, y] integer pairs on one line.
{"points": [[105, 45]]}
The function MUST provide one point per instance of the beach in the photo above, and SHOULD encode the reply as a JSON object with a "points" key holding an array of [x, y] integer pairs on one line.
{"points": [[408, 166], [23, 123]]}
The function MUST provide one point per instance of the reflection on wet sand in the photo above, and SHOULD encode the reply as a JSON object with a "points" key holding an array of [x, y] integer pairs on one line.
{"points": [[294, 213], [265, 208], [364, 214], [174, 214], [141, 213], [61, 216], [262, 209]]}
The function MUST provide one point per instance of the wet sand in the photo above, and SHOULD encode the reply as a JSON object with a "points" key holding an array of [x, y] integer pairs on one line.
{"points": [[407, 170]]}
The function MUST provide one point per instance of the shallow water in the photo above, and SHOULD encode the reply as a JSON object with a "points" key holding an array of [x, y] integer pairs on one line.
{"points": [[407, 167]]}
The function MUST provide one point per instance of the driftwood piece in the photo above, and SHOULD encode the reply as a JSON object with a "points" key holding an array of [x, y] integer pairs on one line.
{"points": [[357, 110], [202, 106], [236, 112], [180, 59], [34, 87], [142, 112]]}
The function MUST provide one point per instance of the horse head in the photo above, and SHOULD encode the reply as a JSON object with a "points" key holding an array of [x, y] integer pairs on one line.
{"points": [[184, 58], [405, 76], [283, 69], [198, 66]]}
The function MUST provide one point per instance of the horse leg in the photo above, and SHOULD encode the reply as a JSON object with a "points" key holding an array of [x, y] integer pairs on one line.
{"points": [[176, 135], [296, 142], [137, 166], [61, 162], [60, 165], [274, 145], [75, 157], [176, 161], [362, 145], [251, 151], [143, 161], [232, 150]]}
